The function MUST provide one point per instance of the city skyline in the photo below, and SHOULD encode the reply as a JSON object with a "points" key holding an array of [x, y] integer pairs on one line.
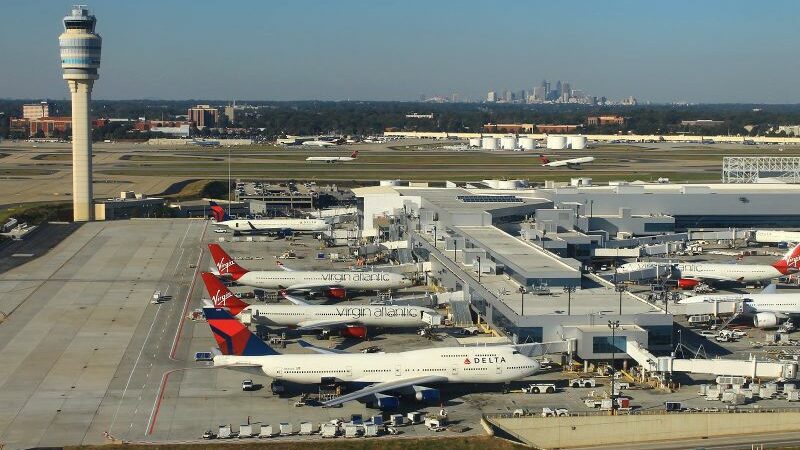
{"points": [[723, 52]]}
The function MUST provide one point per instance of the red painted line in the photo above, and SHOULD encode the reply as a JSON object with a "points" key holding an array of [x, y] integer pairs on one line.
{"points": [[160, 397], [186, 302]]}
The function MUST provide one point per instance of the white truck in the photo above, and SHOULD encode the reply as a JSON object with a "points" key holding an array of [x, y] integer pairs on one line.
{"points": [[583, 382], [555, 412], [538, 388]]}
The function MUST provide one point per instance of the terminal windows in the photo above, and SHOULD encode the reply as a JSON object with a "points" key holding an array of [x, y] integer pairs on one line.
{"points": [[651, 227], [489, 199], [603, 344]]}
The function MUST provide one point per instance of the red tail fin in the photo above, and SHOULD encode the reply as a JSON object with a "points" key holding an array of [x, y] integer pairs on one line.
{"points": [[225, 264], [221, 296], [544, 159], [354, 154], [790, 263]]}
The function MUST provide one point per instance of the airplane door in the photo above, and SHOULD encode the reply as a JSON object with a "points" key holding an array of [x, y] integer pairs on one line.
{"points": [[454, 370], [397, 371], [349, 371], [499, 369], [279, 373]]}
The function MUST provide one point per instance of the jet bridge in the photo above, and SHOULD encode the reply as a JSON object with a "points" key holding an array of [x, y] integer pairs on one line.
{"points": [[736, 367]]}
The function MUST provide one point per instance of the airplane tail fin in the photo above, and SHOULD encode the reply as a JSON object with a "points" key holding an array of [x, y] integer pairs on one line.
{"points": [[790, 262], [232, 337], [225, 264], [221, 296], [218, 212], [354, 155], [544, 159]]}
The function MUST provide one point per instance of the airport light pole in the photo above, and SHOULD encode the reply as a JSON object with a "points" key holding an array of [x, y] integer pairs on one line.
{"points": [[620, 288], [455, 248], [434, 237], [229, 181], [479, 268], [522, 299], [569, 290], [613, 325]]}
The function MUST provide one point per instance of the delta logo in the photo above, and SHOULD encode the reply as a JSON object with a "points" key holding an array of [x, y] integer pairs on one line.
{"points": [[485, 360]]}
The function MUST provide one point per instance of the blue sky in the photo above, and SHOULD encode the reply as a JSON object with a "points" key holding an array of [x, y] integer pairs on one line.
{"points": [[699, 51]]}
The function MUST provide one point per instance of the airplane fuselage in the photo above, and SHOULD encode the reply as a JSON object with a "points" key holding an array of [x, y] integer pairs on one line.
{"points": [[243, 225], [456, 364], [387, 316], [302, 279], [754, 303], [721, 272]]}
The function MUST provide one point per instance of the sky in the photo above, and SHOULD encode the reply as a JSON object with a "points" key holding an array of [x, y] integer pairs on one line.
{"points": [[705, 51]]}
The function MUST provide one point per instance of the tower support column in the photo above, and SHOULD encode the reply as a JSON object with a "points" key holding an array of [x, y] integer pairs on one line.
{"points": [[82, 198]]}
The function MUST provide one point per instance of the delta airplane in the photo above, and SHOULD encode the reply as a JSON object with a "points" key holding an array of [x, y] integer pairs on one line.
{"points": [[334, 284], [333, 159], [268, 226], [385, 374], [767, 307], [690, 274], [352, 321], [569, 163]]}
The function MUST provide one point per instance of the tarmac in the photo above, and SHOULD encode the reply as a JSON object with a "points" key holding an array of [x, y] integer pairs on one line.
{"points": [[85, 353]]}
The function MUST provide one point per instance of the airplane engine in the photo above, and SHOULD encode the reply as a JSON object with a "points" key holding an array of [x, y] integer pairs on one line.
{"points": [[765, 320], [687, 283], [337, 293], [383, 401], [425, 394], [356, 332]]}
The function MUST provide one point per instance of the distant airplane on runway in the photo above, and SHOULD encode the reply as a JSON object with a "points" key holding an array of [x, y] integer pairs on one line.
{"points": [[333, 159], [569, 163]]}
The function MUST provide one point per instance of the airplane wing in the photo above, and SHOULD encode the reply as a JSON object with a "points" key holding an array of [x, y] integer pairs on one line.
{"points": [[330, 323], [293, 299], [383, 387], [770, 289], [324, 351], [283, 267]]}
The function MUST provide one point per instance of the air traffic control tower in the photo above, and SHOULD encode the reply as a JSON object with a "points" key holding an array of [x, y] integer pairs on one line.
{"points": [[80, 59]]}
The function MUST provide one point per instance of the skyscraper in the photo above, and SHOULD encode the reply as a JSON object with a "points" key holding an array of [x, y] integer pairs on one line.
{"points": [[80, 59], [491, 97]]}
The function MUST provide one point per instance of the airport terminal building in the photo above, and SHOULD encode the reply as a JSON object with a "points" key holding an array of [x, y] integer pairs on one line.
{"points": [[521, 256]]}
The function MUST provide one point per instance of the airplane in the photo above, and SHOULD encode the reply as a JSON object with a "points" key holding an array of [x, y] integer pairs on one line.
{"points": [[351, 320], [776, 236], [333, 159], [386, 375], [766, 308], [319, 143], [569, 163], [333, 283], [691, 274], [285, 225]]}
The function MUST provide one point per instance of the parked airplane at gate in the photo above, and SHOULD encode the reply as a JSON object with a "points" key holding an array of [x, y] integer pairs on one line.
{"points": [[573, 163], [332, 283], [767, 307], [351, 320], [690, 274], [267, 226], [333, 159], [387, 374]]}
